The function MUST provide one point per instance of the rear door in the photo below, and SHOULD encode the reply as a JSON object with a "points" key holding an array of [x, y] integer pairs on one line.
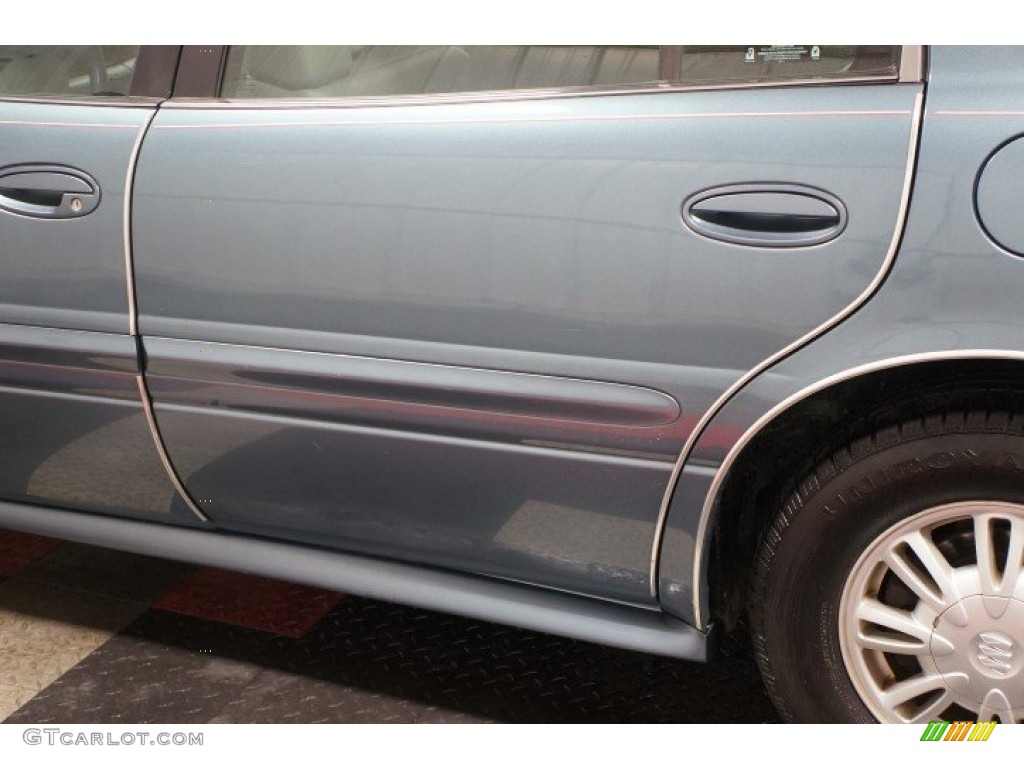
{"points": [[462, 305], [73, 431]]}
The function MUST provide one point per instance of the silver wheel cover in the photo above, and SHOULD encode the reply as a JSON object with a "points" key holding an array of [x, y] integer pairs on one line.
{"points": [[931, 621]]}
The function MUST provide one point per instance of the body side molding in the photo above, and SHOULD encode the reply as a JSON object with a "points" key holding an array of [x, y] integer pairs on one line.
{"points": [[515, 394]]}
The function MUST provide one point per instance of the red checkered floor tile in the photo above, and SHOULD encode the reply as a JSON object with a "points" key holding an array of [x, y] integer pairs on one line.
{"points": [[19, 550], [249, 601], [90, 635]]}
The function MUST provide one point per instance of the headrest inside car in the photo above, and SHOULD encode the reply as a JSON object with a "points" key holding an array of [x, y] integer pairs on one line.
{"points": [[298, 67]]}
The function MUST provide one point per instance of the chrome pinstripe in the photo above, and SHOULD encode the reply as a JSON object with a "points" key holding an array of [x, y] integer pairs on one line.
{"points": [[512, 95], [764, 365], [810, 114], [133, 314], [140, 102], [147, 407], [133, 323], [53, 124]]}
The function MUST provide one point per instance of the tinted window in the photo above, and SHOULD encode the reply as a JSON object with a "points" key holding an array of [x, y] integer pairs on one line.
{"points": [[356, 71], [725, 63], [67, 70], [387, 70]]}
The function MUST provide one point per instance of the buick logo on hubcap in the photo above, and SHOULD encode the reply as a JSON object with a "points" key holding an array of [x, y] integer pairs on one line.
{"points": [[995, 652]]}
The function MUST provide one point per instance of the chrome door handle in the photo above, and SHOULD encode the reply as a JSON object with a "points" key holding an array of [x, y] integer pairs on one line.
{"points": [[767, 215], [47, 191]]}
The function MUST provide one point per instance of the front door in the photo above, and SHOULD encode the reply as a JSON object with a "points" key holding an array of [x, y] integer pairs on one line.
{"points": [[73, 433]]}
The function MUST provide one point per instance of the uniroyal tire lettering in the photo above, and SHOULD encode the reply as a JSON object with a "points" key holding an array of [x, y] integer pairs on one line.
{"points": [[1013, 461], [905, 468], [941, 460], [865, 486]]}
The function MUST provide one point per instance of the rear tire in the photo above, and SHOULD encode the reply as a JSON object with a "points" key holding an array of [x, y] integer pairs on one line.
{"points": [[890, 586]]}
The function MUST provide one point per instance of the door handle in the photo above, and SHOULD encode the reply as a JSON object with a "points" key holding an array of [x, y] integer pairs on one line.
{"points": [[766, 215], [48, 191]]}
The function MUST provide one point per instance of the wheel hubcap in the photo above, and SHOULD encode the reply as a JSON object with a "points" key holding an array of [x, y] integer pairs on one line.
{"points": [[932, 616], [984, 667]]}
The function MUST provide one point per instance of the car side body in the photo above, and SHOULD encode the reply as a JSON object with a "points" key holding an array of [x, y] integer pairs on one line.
{"points": [[543, 358]]}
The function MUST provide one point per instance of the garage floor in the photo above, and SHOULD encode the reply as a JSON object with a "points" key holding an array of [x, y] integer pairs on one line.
{"points": [[89, 635]]}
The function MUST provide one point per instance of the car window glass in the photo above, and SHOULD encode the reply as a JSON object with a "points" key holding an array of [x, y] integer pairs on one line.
{"points": [[387, 70], [356, 71], [724, 63], [67, 70]]}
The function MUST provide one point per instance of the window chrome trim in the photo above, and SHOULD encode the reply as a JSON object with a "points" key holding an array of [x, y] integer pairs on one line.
{"points": [[755, 429], [527, 94], [912, 64], [757, 370], [85, 101]]}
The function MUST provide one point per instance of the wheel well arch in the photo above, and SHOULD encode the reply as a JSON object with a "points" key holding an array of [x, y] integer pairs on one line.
{"points": [[785, 449]]}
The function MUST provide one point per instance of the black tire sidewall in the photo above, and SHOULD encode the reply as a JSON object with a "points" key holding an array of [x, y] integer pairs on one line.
{"points": [[833, 526]]}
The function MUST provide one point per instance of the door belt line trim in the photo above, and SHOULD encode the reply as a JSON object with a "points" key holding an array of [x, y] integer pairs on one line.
{"points": [[917, 115]]}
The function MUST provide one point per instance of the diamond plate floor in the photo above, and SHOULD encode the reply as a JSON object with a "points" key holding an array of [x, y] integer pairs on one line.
{"points": [[130, 639]]}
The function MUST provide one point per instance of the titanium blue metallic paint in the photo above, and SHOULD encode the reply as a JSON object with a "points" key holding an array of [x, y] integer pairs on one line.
{"points": [[952, 293], [522, 395], [44, 351], [537, 514], [999, 197], [537, 237], [361, 391], [165, 460], [333, 411], [711, 489], [73, 432], [676, 587], [85, 252], [133, 329]]}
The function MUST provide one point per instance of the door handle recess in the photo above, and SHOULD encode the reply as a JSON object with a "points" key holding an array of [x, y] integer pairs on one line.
{"points": [[48, 191], [766, 215]]}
